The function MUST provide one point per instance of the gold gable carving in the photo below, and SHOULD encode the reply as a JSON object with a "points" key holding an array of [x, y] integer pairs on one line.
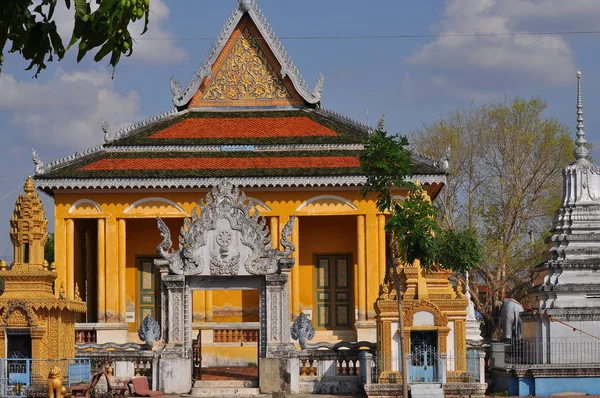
{"points": [[247, 74], [17, 318]]}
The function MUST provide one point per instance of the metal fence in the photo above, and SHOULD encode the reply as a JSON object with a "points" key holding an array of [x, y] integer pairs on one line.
{"points": [[430, 367], [22, 377], [557, 352]]}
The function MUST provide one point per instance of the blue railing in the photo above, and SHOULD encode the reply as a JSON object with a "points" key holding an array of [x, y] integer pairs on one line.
{"points": [[18, 375]]}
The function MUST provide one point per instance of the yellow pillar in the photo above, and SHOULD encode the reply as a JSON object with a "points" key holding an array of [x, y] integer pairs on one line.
{"points": [[372, 264], [70, 284], [112, 270], [208, 300], [382, 246], [60, 253], [198, 306], [101, 276], [296, 270], [122, 270], [362, 273], [274, 231]]}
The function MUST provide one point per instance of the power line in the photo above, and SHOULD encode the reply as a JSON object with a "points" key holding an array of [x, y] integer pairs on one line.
{"points": [[397, 36]]}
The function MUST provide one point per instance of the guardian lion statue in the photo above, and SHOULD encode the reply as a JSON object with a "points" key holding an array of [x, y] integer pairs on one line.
{"points": [[55, 386]]}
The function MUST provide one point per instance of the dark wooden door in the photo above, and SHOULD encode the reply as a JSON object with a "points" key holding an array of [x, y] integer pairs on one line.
{"points": [[334, 292]]}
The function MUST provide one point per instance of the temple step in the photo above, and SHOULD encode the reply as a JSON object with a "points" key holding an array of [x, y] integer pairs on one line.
{"points": [[225, 388], [426, 390], [334, 336]]}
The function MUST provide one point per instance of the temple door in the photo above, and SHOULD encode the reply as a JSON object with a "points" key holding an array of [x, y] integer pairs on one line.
{"points": [[423, 360], [334, 292], [149, 299]]}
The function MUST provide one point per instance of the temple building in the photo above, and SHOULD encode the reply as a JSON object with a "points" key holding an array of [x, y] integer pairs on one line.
{"points": [[246, 115]]}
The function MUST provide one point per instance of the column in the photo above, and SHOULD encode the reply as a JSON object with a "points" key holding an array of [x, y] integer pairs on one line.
{"points": [[382, 246], [362, 273], [60, 253], [296, 270], [208, 301], [372, 263], [70, 248], [122, 270], [101, 266], [91, 299], [274, 227], [112, 270]]}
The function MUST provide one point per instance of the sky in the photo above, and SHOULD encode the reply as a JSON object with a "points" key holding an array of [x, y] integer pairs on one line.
{"points": [[412, 80]]}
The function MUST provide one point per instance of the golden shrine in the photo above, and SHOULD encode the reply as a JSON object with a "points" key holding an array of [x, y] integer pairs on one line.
{"points": [[34, 321], [434, 319]]}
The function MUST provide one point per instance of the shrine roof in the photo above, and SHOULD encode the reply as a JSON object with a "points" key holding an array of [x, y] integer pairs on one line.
{"points": [[293, 147], [243, 127], [247, 115]]}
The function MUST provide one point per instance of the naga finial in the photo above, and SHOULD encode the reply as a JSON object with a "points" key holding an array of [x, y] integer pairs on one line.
{"points": [[106, 129], [302, 330], [581, 151], [37, 162], [149, 331], [444, 162], [318, 91], [175, 89]]}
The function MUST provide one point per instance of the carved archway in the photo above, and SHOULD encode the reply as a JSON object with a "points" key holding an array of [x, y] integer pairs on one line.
{"points": [[225, 244]]}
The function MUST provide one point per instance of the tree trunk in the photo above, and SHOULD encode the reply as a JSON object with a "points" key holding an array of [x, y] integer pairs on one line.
{"points": [[401, 332]]}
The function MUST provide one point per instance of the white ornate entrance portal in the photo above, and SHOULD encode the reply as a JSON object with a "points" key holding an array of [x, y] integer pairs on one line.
{"points": [[222, 246]]}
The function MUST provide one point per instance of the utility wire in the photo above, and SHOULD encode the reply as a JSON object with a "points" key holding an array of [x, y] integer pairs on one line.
{"points": [[397, 36]]}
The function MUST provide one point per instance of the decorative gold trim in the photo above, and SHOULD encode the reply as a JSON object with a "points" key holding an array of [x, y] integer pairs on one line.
{"points": [[278, 91]]}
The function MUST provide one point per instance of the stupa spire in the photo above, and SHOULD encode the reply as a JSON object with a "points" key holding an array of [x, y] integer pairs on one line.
{"points": [[581, 151]]}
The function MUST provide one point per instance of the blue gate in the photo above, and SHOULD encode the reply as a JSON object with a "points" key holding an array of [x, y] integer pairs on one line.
{"points": [[423, 357], [16, 376]]}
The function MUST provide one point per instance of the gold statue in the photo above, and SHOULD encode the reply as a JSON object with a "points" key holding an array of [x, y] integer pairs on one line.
{"points": [[55, 387]]}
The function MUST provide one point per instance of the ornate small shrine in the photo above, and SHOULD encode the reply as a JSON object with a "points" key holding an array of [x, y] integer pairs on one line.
{"points": [[434, 321], [36, 320]]}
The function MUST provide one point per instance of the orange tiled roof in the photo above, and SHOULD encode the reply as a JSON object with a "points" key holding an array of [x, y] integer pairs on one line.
{"points": [[300, 162], [236, 127]]}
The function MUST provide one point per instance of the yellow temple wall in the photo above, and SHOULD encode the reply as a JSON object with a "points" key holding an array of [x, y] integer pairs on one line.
{"points": [[329, 222]]}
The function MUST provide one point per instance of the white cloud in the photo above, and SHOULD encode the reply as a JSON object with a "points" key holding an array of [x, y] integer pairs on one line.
{"points": [[162, 51], [486, 65], [155, 46], [66, 111]]}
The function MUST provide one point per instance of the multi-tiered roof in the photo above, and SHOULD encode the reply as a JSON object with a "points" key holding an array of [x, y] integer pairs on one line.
{"points": [[247, 114]]}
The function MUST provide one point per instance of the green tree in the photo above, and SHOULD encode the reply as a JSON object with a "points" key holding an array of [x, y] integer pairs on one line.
{"points": [[49, 249], [412, 225], [505, 183], [30, 27]]}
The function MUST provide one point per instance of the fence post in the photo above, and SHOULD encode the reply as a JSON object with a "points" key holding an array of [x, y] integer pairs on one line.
{"points": [[366, 360], [482, 366], [407, 364], [442, 366]]}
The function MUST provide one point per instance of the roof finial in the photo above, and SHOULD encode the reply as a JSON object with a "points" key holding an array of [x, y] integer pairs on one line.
{"points": [[246, 5], [581, 151]]}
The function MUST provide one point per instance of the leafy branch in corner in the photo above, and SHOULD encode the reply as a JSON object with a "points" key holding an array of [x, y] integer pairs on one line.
{"points": [[32, 30]]}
